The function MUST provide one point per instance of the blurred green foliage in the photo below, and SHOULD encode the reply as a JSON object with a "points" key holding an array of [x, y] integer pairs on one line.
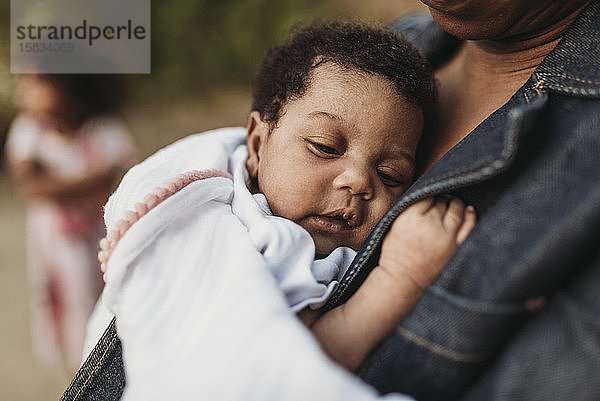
{"points": [[204, 42], [201, 42]]}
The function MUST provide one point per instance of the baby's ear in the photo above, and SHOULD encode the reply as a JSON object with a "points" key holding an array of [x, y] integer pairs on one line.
{"points": [[257, 134]]}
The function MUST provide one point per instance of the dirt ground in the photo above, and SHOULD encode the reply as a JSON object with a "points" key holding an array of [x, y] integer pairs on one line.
{"points": [[21, 377]]}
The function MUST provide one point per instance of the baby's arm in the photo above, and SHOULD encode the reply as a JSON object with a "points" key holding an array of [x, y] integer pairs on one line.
{"points": [[420, 242]]}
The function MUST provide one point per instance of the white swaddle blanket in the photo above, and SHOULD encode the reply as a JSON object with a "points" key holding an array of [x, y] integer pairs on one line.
{"points": [[204, 282]]}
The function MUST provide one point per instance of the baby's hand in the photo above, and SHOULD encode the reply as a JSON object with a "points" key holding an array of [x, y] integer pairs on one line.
{"points": [[423, 238]]}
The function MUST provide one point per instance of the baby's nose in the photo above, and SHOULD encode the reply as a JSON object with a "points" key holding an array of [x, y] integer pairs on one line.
{"points": [[355, 179]]}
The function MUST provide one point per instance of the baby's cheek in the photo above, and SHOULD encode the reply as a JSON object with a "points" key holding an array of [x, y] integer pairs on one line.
{"points": [[359, 240], [379, 208], [376, 212], [281, 205], [269, 185]]}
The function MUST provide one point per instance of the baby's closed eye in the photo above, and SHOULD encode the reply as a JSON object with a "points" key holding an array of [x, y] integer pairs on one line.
{"points": [[322, 150], [391, 177]]}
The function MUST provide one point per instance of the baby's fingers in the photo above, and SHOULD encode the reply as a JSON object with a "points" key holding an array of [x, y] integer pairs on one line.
{"points": [[470, 217], [454, 215], [422, 206]]}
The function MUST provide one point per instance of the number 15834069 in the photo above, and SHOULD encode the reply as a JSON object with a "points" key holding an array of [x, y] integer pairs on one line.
{"points": [[41, 47]]}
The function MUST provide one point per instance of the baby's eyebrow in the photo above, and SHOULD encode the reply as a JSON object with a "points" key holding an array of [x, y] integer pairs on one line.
{"points": [[407, 156], [400, 154], [318, 114]]}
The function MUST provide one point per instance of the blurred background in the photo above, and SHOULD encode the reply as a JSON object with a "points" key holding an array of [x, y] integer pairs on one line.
{"points": [[203, 58]]}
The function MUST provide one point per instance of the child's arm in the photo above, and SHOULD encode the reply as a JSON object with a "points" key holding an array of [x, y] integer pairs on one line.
{"points": [[33, 181], [420, 242]]}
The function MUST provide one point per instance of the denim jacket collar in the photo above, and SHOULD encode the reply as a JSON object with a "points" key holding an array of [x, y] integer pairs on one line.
{"points": [[490, 148], [567, 70], [571, 68]]}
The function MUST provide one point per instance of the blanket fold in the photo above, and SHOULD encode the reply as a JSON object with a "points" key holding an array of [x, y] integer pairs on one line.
{"points": [[205, 282]]}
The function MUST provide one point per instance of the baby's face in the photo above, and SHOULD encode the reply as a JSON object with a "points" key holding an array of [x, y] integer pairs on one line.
{"points": [[339, 156]]}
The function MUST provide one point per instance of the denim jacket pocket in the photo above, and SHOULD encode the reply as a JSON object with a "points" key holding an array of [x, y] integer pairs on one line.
{"points": [[428, 357]]}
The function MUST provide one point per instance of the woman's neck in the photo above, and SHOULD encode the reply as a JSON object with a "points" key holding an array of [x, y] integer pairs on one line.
{"points": [[483, 75], [488, 61], [518, 54]]}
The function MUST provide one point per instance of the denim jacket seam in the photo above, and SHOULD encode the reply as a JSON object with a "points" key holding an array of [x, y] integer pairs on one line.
{"points": [[93, 352], [535, 89], [495, 307], [448, 353], [567, 76], [458, 171], [531, 305], [83, 386], [544, 85]]}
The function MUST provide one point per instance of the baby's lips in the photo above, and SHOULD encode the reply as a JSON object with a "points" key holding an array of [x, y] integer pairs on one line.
{"points": [[349, 216], [352, 219]]}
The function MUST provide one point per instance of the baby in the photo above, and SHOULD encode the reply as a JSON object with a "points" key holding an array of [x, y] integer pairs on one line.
{"points": [[330, 145]]}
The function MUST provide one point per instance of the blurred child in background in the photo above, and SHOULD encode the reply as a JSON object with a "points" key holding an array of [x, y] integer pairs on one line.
{"points": [[66, 152]]}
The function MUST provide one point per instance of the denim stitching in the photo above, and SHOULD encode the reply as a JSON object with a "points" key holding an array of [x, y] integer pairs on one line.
{"points": [[112, 322], [439, 349], [533, 87], [484, 306], [573, 89], [458, 171], [541, 84], [95, 367], [585, 81], [544, 85]]}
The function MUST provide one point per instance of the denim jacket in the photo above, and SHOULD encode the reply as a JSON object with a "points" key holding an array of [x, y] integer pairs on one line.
{"points": [[515, 315]]}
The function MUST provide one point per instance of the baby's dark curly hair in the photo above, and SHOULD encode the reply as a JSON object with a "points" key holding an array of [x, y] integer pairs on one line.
{"points": [[285, 72]]}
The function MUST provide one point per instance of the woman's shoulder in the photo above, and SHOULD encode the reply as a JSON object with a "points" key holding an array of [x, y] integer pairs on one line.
{"points": [[413, 25], [432, 41]]}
